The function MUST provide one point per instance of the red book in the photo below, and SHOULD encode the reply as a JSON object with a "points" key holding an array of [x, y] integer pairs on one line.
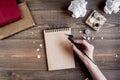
{"points": [[9, 12]]}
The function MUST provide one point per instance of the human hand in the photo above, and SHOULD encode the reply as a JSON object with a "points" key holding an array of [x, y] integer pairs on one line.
{"points": [[87, 48]]}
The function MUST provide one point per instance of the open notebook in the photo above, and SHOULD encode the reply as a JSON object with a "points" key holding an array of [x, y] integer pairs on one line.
{"points": [[58, 49]]}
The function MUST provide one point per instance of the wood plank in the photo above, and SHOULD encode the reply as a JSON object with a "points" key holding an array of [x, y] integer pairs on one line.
{"points": [[51, 6], [108, 31], [61, 4], [22, 54], [59, 75], [44, 75], [64, 16]]}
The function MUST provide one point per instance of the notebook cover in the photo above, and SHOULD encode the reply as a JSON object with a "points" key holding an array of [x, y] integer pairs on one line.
{"points": [[58, 49], [22, 24], [9, 12]]}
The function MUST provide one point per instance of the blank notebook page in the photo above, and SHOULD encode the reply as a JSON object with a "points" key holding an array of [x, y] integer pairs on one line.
{"points": [[59, 49]]}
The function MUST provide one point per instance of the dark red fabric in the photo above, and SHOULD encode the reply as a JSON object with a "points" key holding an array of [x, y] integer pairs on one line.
{"points": [[9, 11]]}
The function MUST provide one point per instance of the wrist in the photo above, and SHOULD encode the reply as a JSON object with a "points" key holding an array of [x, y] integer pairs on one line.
{"points": [[88, 62]]}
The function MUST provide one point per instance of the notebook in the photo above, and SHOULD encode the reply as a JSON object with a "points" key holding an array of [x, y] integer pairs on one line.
{"points": [[17, 26], [9, 12], [58, 49]]}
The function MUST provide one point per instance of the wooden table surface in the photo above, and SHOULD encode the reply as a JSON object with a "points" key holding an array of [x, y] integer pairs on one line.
{"points": [[18, 53]]}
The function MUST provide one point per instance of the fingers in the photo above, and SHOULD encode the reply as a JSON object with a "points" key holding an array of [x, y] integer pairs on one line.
{"points": [[84, 43], [87, 48]]}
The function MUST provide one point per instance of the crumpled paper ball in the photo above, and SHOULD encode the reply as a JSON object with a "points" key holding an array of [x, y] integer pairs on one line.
{"points": [[112, 6], [78, 7]]}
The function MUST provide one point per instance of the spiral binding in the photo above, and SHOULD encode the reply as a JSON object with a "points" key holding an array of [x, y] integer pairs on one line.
{"points": [[57, 30]]}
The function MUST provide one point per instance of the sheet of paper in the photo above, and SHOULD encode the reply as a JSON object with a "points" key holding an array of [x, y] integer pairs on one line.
{"points": [[59, 49]]}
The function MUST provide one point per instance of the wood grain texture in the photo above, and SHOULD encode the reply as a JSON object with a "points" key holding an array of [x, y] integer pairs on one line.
{"points": [[18, 53]]}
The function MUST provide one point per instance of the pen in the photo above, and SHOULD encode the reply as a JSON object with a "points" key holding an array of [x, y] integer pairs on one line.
{"points": [[70, 37]]}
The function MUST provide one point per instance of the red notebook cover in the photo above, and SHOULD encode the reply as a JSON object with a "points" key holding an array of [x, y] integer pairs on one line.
{"points": [[9, 12]]}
